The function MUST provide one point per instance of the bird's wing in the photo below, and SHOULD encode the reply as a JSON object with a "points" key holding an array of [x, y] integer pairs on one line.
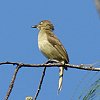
{"points": [[57, 44]]}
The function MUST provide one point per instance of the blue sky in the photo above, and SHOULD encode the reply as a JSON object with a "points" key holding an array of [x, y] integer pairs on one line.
{"points": [[77, 25]]}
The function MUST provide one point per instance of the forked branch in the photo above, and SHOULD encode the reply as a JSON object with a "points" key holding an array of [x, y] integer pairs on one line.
{"points": [[89, 67]]}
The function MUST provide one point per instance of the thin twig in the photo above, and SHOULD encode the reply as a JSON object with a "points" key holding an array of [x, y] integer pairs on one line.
{"points": [[90, 67], [12, 82], [40, 84]]}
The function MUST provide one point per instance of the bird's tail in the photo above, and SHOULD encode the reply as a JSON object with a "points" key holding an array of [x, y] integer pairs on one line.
{"points": [[61, 72]]}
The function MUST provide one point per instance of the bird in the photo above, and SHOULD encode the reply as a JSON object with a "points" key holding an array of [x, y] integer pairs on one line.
{"points": [[51, 47]]}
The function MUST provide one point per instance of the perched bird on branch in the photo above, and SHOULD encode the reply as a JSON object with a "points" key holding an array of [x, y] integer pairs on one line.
{"points": [[51, 47]]}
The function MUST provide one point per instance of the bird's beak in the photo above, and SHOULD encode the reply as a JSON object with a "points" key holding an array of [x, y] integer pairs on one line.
{"points": [[35, 26]]}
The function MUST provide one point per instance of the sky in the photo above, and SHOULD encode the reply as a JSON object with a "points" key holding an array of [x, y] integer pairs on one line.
{"points": [[77, 25]]}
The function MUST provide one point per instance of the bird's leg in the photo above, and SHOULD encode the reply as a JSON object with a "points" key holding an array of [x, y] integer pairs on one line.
{"points": [[52, 61]]}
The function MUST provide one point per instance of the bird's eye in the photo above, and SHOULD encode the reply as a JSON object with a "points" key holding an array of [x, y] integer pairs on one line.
{"points": [[41, 22]]}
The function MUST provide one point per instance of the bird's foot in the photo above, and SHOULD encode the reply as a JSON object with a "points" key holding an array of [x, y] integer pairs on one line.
{"points": [[52, 61]]}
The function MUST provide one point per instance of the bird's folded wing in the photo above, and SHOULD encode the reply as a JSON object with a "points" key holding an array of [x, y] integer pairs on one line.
{"points": [[57, 44]]}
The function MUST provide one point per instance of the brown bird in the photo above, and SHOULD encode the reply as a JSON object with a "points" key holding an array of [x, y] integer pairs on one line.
{"points": [[51, 47]]}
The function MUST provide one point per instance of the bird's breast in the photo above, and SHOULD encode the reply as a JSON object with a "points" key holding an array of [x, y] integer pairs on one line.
{"points": [[47, 48], [42, 41]]}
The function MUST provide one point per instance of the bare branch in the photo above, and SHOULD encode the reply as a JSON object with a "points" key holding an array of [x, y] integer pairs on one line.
{"points": [[90, 67], [52, 63], [40, 84], [12, 82]]}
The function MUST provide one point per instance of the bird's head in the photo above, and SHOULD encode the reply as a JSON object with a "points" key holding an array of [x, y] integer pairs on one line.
{"points": [[45, 24]]}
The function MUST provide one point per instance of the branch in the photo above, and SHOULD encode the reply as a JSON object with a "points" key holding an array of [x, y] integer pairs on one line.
{"points": [[90, 67], [12, 82], [40, 84], [52, 63]]}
